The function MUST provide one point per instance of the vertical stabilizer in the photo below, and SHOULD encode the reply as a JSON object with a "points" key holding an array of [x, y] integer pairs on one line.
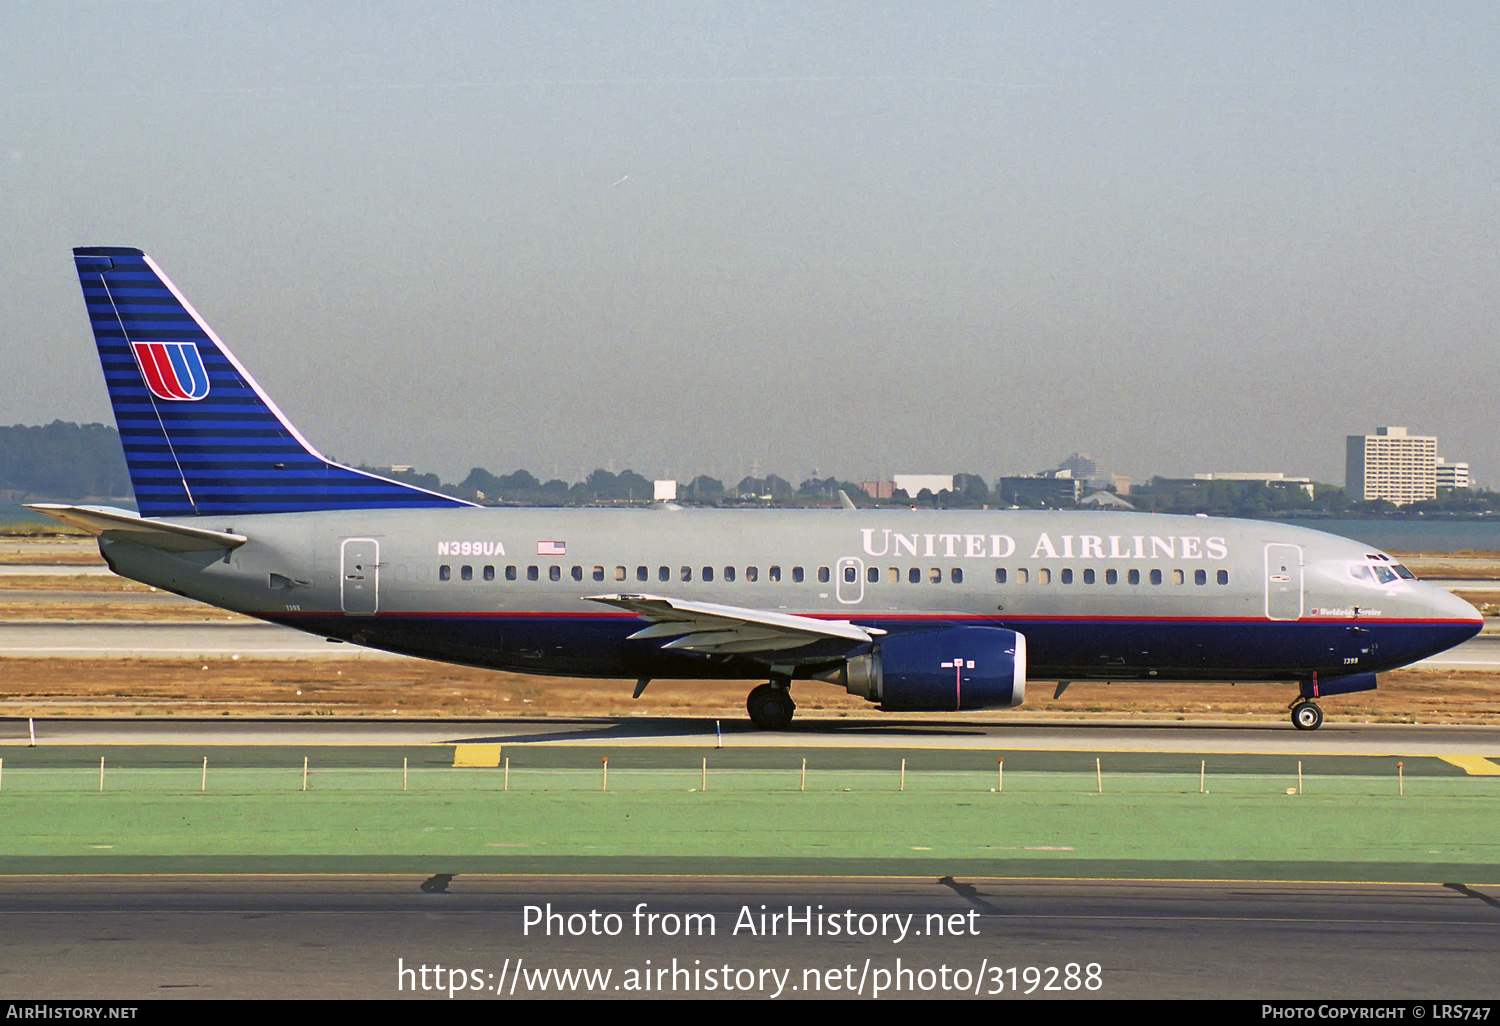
{"points": [[200, 437]]}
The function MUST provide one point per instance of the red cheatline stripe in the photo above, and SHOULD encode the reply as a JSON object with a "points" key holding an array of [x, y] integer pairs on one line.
{"points": [[912, 617]]}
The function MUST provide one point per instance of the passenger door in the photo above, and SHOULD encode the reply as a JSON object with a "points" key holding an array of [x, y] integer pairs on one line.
{"points": [[1283, 582], [359, 577]]}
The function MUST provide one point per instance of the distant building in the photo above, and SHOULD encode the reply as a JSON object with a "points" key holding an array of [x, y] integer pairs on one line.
{"points": [[664, 491], [1451, 476], [1081, 465], [1391, 465], [913, 484], [1267, 479], [1104, 500], [1039, 491], [878, 489]]}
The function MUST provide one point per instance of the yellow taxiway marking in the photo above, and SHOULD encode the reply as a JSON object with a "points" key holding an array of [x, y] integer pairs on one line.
{"points": [[476, 756], [1473, 765]]}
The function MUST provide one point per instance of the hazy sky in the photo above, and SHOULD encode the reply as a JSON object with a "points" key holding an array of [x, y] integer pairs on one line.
{"points": [[698, 237]]}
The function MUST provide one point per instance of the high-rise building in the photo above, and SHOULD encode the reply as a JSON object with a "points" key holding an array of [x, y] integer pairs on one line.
{"points": [[1391, 465], [1452, 476], [1082, 465]]}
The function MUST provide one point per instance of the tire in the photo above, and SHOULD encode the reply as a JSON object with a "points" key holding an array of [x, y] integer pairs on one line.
{"points": [[770, 708], [1307, 716]]}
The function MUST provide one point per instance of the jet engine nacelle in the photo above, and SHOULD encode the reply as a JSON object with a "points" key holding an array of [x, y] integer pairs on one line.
{"points": [[942, 670]]}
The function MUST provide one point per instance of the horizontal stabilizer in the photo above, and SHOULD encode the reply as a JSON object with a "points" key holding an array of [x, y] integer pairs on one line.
{"points": [[121, 523], [710, 627]]}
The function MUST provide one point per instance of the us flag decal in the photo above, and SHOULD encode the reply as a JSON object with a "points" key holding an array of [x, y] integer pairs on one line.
{"points": [[173, 370], [551, 548]]}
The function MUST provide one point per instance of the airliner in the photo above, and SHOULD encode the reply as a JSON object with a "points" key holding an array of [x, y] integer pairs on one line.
{"points": [[912, 610]]}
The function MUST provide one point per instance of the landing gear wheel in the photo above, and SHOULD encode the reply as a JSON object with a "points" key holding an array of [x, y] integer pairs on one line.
{"points": [[770, 707], [1306, 716]]}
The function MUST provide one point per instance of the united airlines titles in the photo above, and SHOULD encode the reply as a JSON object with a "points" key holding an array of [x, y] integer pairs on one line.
{"points": [[884, 541]]}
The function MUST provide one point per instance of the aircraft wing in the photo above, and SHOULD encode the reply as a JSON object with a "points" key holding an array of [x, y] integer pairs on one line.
{"points": [[121, 523], [722, 630]]}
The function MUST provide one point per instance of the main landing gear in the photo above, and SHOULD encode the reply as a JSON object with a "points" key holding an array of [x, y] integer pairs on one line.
{"points": [[771, 706], [1306, 715]]}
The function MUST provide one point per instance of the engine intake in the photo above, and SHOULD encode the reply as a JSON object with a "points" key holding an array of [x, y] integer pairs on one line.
{"points": [[942, 670]]}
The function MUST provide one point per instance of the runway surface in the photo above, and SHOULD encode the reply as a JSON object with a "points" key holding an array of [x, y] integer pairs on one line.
{"points": [[147, 639], [308, 937], [984, 732], [156, 640]]}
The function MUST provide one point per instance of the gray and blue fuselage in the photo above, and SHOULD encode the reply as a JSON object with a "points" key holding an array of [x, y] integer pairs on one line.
{"points": [[1115, 596]]}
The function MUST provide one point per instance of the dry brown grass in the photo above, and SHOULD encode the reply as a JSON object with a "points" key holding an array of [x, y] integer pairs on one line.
{"points": [[98, 687], [60, 550]]}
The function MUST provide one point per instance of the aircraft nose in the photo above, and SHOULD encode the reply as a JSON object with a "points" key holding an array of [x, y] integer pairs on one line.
{"points": [[1445, 605]]}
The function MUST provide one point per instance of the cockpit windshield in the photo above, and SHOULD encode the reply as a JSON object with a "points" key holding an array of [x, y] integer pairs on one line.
{"points": [[1380, 573]]}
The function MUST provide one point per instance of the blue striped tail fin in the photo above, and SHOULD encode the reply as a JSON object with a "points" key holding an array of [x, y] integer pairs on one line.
{"points": [[200, 437]]}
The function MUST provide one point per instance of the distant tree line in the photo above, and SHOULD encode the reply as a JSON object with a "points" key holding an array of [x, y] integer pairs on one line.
{"points": [[62, 461], [1263, 500]]}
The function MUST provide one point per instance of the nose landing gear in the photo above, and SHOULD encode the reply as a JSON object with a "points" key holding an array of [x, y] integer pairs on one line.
{"points": [[1306, 715], [771, 706]]}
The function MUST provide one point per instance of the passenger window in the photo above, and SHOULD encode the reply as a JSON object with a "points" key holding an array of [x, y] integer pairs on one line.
{"points": [[642, 573], [1111, 577], [728, 574], [619, 573], [774, 575], [1088, 576], [466, 573], [708, 573], [1044, 576], [554, 572], [664, 574], [1000, 575], [686, 573], [1132, 577], [823, 575], [914, 575], [1156, 577], [445, 572], [851, 575], [752, 574], [1066, 577], [532, 574], [1223, 576], [598, 573], [489, 573], [510, 573], [873, 575], [956, 575], [578, 573], [1022, 575], [796, 575], [893, 575], [1200, 576], [1177, 577]]}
